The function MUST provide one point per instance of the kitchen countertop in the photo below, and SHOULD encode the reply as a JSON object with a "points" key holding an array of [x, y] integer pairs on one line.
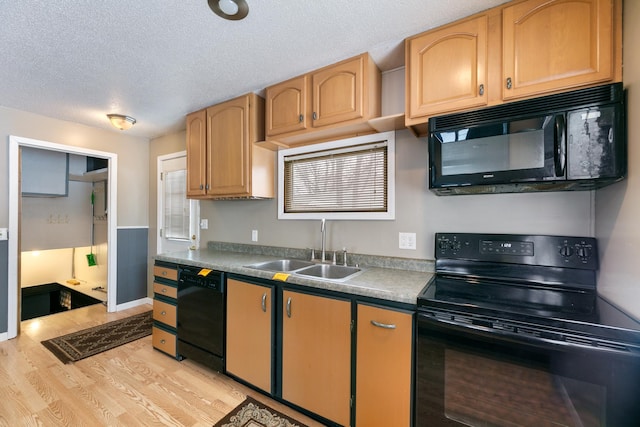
{"points": [[391, 284], [83, 287]]}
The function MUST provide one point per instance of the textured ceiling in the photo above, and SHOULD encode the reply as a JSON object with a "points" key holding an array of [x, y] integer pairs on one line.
{"points": [[78, 60]]}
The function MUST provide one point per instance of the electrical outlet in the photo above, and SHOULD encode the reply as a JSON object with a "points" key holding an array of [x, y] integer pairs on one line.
{"points": [[204, 224], [407, 240], [4, 234], [254, 235]]}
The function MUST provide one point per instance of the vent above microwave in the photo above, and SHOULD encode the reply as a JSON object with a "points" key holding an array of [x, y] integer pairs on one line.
{"points": [[530, 107]]}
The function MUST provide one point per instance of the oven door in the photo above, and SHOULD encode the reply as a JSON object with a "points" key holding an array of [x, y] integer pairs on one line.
{"points": [[469, 375]]}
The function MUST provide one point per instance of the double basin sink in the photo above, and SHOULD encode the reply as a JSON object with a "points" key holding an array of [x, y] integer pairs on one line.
{"points": [[308, 268]]}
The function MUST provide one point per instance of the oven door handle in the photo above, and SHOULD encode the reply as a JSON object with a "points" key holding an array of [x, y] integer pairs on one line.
{"points": [[481, 330]]}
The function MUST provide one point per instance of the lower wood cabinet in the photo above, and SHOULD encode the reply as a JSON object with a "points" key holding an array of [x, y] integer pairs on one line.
{"points": [[383, 367], [250, 333], [298, 346], [316, 354], [165, 308]]}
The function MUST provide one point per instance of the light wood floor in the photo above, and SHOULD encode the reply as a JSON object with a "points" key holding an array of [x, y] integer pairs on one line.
{"points": [[132, 385]]}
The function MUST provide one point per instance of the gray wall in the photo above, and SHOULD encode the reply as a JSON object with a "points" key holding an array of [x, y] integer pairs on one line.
{"points": [[4, 285], [417, 210], [132, 264], [618, 206]]}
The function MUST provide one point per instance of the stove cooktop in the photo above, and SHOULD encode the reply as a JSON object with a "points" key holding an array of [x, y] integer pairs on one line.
{"points": [[536, 284]]}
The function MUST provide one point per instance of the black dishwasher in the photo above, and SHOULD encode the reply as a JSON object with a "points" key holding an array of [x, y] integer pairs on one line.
{"points": [[201, 316]]}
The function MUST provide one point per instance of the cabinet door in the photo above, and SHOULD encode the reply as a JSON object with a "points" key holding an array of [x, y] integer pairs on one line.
{"points": [[438, 79], [228, 148], [249, 333], [196, 153], [551, 45], [338, 92], [316, 354], [383, 367], [287, 106]]}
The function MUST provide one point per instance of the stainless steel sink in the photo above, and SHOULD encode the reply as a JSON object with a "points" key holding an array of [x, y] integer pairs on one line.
{"points": [[329, 271], [281, 265]]}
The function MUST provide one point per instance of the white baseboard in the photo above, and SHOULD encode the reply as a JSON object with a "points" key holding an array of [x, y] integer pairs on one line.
{"points": [[4, 336], [135, 303]]}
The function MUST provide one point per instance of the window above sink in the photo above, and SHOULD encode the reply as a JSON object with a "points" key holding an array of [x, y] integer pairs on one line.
{"points": [[352, 178]]}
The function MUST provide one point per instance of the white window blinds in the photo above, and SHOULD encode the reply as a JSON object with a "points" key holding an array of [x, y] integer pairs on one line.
{"points": [[176, 205], [347, 179]]}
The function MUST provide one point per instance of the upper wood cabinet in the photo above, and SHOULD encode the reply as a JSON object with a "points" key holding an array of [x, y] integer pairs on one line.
{"points": [[518, 50], [197, 154], [287, 106], [336, 100], [233, 166], [438, 80], [560, 44]]}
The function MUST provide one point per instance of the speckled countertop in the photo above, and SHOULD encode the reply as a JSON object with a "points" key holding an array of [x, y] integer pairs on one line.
{"points": [[393, 279]]}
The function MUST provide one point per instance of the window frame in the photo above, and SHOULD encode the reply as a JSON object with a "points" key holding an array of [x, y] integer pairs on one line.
{"points": [[389, 214]]}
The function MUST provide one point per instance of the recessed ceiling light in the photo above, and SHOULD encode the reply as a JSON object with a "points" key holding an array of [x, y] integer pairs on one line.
{"points": [[233, 10]]}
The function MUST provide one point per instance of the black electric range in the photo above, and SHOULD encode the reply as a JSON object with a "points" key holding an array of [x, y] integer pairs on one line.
{"points": [[526, 305]]}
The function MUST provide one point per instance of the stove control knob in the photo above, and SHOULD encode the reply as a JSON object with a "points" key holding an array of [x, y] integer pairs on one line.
{"points": [[566, 251], [443, 245], [584, 252]]}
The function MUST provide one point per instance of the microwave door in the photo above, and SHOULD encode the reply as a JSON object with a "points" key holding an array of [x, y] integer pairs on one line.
{"points": [[514, 151]]}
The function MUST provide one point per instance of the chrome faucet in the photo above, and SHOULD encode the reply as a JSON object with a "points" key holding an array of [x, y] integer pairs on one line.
{"points": [[323, 233]]}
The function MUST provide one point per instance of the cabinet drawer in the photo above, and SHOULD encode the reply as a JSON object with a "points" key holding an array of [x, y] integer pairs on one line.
{"points": [[165, 313], [164, 341], [165, 272], [165, 290]]}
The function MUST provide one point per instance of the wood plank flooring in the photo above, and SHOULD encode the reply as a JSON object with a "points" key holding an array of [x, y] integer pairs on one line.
{"points": [[131, 385]]}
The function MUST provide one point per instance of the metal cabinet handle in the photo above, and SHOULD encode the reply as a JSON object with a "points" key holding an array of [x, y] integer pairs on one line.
{"points": [[164, 313], [509, 83], [481, 90], [383, 325], [264, 302], [289, 307], [164, 290], [300, 118], [163, 341], [201, 187], [315, 116], [164, 273]]}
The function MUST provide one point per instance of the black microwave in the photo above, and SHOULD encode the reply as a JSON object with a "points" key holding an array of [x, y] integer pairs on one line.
{"points": [[569, 141]]}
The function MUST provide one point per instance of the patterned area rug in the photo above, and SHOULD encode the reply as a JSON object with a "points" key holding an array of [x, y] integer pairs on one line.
{"points": [[252, 413], [88, 342]]}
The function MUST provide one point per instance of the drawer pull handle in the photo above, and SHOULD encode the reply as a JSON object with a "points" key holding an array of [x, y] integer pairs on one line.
{"points": [[289, 307], [164, 313], [164, 273], [383, 325], [164, 290], [264, 302], [163, 341]]}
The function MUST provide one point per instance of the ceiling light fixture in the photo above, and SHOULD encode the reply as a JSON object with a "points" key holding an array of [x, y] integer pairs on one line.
{"points": [[121, 122], [233, 10]]}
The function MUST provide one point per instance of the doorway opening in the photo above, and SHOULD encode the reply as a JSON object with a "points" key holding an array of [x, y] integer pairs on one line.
{"points": [[89, 241]]}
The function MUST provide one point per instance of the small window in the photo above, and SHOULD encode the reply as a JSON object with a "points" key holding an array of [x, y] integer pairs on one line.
{"points": [[176, 207], [348, 179]]}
